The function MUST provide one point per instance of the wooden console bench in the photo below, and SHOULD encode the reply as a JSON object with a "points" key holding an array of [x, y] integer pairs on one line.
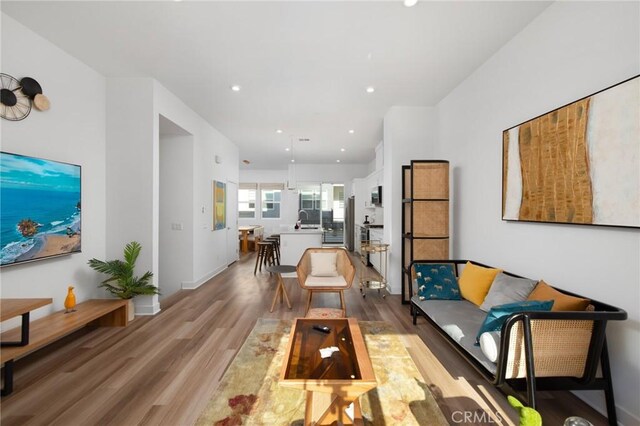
{"points": [[43, 331], [10, 308]]}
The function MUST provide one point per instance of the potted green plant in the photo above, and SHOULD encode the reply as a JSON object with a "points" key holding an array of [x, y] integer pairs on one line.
{"points": [[122, 282]]}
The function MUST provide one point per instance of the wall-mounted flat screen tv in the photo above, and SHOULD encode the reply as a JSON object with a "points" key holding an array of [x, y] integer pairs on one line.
{"points": [[39, 209]]}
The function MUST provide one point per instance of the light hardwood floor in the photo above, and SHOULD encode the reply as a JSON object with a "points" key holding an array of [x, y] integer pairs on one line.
{"points": [[163, 369]]}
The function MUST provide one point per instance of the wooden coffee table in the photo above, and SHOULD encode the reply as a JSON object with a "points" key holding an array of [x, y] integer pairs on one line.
{"points": [[334, 383]]}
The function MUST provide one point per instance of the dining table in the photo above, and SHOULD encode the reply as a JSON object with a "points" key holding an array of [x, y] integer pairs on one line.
{"points": [[245, 231]]}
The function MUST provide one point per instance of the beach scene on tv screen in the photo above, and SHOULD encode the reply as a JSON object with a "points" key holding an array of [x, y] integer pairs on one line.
{"points": [[39, 208]]}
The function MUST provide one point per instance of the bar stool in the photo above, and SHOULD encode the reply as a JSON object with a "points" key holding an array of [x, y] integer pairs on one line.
{"points": [[277, 238], [264, 252], [275, 248], [272, 257]]}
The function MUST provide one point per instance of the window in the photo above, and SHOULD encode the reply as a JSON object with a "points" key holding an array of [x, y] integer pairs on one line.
{"points": [[271, 198], [309, 203], [309, 199], [247, 200], [338, 203], [271, 203], [325, 200]]}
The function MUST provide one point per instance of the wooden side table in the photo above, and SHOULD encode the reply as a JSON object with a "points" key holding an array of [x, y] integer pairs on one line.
{"points": [[281, 291]]}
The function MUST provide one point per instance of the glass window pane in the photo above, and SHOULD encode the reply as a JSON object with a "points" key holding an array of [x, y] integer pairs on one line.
{"points": [[272, 213], [247, 203], [270, 204]]}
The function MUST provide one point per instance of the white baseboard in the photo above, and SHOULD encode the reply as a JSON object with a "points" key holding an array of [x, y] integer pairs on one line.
{"points": [[192, 285], [624, 416], [148, 309]]}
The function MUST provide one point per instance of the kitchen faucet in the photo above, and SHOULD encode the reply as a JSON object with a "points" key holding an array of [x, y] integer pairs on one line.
{"points": [[305, 213]]}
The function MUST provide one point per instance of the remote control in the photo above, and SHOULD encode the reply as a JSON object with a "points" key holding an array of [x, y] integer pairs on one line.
{"points": [[322, 328]]}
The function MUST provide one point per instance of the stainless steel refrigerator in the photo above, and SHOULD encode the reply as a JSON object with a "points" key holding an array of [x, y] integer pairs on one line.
{"points": [[349, 223]]}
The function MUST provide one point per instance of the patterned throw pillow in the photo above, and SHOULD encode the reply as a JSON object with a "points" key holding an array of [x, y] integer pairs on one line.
{"points": [[497, 315], [436, 281]]}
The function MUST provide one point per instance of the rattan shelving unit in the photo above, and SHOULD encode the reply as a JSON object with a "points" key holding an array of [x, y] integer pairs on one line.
{"points": [[425, 215]]}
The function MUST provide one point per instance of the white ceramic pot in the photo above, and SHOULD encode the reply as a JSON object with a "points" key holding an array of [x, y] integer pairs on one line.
{"points": [[131, 310]]}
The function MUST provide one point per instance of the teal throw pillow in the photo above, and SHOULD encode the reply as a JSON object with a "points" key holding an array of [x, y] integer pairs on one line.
{"points": [[497, 315], [436, 281]]}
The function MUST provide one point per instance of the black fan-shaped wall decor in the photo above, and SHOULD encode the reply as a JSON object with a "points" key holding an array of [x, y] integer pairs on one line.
{"points": [[17, 97], [15, 105]]}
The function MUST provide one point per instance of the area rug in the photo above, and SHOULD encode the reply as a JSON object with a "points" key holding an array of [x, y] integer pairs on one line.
{"points": [[249, 393]]}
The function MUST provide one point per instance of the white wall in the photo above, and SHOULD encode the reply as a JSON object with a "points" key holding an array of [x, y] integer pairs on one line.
{"points": [[362, 192], [72, 131], [134, 106], [288, 203], [209, 247], [130, 168], [175, 246], [571, 50], [409, 134], [331, 173]]}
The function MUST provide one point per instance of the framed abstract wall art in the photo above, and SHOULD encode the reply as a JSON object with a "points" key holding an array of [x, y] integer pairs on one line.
{"points": [[219, 205], [578, 164]]}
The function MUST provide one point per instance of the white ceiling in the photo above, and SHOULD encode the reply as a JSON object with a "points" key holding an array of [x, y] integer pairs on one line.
{"points": [[303, 66]]}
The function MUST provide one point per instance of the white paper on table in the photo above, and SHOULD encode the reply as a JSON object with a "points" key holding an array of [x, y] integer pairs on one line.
{"points": [[351, 411], [327, 352]]}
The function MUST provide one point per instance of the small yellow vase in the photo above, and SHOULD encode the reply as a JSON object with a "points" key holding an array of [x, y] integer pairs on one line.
{"points": [[70, 301]]}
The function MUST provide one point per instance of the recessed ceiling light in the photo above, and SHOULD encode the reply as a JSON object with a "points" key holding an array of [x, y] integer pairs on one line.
{"points": [[279, 131], [410, 3], [293, 161], [235, 88], [352, 131], [337, 161], [286, 149], [342, 149], [371, 89]]}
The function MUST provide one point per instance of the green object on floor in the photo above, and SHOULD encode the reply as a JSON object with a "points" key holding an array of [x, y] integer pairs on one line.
{"points": [[528, 416]]}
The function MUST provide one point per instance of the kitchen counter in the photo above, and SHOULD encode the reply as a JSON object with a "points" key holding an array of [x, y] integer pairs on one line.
{"points": [[294, 242], [302, 231]]}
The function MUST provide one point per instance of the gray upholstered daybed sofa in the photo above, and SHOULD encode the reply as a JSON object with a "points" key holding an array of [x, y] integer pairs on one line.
{"points": [[553, 350]]}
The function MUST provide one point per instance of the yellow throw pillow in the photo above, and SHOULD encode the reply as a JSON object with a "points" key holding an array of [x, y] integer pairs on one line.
{"points": [[475, 282], [561, 301]]}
